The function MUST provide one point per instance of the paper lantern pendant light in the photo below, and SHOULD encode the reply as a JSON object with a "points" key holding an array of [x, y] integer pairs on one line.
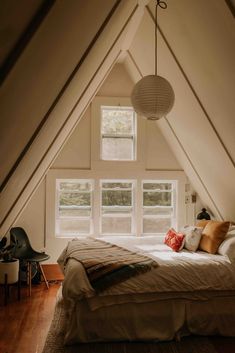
{"points": [[153, 97]]}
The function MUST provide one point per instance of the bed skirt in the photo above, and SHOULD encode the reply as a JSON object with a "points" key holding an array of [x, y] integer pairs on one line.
{"points": [[158, 320]]}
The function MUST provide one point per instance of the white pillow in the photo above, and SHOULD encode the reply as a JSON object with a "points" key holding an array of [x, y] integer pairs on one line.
{"points": [[227, 247], [232, 227], [192, 237]]}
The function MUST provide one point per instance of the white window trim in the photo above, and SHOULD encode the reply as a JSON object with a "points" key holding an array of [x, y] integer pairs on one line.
{"points": [[58, 233], [132, 136], [173, 202], [123, 173], [97, 164], [132, 207]]}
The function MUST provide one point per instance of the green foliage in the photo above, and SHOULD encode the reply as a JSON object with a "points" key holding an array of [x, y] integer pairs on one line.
{"points": [[75, 199], [157, 198], [157, 186], [117, 121], [75, 186], [116, 198]]}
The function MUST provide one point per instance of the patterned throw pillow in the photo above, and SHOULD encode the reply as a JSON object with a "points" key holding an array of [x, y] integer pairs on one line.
{"points": [[192, 237], [174, 240]]}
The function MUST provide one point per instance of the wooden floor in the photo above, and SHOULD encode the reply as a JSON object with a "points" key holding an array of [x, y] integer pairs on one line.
{"points": [[24, 324]]}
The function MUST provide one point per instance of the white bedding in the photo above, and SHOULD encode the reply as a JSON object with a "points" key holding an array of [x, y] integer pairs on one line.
{"points": [[177, 272], [187, 293]]}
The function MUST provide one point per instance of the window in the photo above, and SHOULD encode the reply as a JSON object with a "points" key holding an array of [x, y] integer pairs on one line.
{"points": [[159, 206], [118, 133], [117, 211], [114, 207], [73, 207]]}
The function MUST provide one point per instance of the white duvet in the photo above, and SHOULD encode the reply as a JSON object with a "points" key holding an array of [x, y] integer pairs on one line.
{"points": [[186, 272]]}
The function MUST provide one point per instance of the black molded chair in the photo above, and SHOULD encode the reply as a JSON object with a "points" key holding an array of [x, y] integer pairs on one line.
{"points": [[23, 250]]}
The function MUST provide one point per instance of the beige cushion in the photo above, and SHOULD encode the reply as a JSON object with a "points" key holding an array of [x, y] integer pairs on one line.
{"points": [[202, 223], [192, 237], [212, 236]]}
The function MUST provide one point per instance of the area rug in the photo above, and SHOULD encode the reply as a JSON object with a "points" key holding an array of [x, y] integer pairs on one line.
{"points": [[54, 342]]}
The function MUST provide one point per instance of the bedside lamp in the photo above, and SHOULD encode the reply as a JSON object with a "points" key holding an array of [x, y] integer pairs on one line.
{"points": [[203, 215]]}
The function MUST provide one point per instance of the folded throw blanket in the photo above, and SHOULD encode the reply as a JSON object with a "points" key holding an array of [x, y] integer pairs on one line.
{"points": [[107, 264]]}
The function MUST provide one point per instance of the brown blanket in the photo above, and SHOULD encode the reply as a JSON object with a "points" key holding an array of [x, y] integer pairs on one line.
{"points": [[107, 264]]}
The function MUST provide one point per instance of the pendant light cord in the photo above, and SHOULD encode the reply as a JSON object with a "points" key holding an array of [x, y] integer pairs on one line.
{"points": [[163, 5], [156, 38]]}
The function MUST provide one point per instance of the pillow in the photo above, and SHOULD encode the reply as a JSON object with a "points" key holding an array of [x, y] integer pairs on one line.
{"points": [[202, 223], [227, 247], [174, 240], [212, 236], [192, 237], [232, 226]]}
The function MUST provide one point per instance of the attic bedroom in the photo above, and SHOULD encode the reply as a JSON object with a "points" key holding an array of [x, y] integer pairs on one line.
{"points": [[101, 209]]}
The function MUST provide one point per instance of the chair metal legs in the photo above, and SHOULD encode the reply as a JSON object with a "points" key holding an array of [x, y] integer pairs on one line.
{"points": [[43, 275], [29, 276]]}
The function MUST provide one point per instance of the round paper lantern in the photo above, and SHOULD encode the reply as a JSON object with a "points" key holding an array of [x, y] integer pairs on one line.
{"points": [[153, 97]]}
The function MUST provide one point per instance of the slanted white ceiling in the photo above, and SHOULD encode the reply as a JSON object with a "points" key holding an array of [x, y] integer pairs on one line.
{"points": [[196, 53]]}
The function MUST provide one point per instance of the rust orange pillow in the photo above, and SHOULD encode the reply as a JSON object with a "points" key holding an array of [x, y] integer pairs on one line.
{"points": [[174, 240], [212, 236]]}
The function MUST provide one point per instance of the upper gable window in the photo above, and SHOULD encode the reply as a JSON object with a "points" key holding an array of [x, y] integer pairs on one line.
{"points": [[118, 133]]}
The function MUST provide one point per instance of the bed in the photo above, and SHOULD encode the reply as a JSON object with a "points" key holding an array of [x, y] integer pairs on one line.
{"points": [[185, 293]]}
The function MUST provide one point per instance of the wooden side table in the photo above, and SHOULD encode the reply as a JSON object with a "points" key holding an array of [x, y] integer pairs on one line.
{"points": [[9, 274]]}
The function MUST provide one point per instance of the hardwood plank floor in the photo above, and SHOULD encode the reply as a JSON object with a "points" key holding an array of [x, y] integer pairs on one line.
{"points": [[24, 324]]}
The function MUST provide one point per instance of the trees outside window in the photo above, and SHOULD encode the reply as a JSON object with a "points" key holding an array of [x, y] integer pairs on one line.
{"points": [[118, 133], [118, 202], [159, 206], [74, 207], [117, 210]]}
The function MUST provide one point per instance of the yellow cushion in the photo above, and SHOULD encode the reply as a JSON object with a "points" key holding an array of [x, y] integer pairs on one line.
{"points": [[202, 223], [212, 236]]}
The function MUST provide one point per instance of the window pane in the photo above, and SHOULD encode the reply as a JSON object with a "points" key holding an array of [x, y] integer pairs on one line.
{"points": [[118, 225], [75, 199], [114, 210], [74, 226], [117, 120], [117, 148], [75, 186], [111, 185], [168, 211], [157, 198], [156, 225], [157, 186], [116, 198], [70, 211]]}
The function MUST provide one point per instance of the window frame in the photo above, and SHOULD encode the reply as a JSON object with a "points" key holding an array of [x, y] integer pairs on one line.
{"points": [[58, 232], [132, 207], [97, 164], [130, 136], [174, 204]]}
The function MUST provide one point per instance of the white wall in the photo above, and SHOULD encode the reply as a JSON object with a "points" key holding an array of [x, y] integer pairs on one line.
{"points": [[196, 53], [77, 160]]}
